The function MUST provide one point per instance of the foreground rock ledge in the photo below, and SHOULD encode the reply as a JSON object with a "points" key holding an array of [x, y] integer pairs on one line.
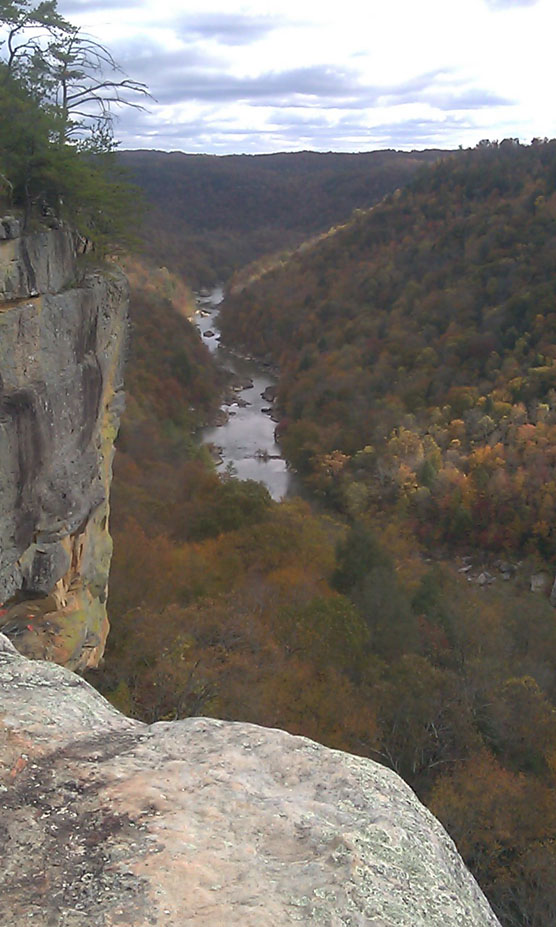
{"points": [[108, 821]]}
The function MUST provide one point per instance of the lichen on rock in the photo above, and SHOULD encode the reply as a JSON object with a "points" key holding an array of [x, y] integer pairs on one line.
{"points": [[110, 821]]}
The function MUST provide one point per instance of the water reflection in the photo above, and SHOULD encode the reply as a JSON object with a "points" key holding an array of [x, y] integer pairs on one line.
{"points": [[246, 439]]}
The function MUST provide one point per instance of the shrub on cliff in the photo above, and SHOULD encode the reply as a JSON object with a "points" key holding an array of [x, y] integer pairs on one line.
{"points": [[57, 92]]}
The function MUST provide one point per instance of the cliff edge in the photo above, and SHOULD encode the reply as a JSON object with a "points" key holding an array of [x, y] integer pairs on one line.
{"points": [[107, 821], [110, 821], [62, 335]]}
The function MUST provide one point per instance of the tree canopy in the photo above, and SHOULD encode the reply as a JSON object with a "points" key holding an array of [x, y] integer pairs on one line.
{"points": [[416, 349], [58, 92]]}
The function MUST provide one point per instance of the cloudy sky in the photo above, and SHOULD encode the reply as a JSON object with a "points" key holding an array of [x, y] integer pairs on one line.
{"points": [[353, 75]]}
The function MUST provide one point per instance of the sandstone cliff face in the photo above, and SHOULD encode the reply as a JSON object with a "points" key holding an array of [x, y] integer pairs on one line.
{"points": [[107, 821], [61, 361]]}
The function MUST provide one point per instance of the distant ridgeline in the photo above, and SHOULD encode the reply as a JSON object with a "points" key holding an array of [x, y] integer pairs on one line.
{"points": [[418, 351], [212, 215]]}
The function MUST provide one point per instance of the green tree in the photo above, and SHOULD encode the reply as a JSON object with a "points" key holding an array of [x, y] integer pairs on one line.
{"points": [[85, 84], [25, 151], [228, 505], [426, 725], [56, 123], [329, 630], [356, 556], [31, 32]]}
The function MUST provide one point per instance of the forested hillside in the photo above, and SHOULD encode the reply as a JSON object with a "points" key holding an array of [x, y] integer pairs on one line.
{"points": [[172, 389], [57, 87], [224, 603], [416, 343], [209, 216], [418, 358], [415, 347]]}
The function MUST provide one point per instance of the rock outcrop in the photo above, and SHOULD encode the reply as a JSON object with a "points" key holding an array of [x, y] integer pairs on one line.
{"points": [[61, 360], [107, 821]]}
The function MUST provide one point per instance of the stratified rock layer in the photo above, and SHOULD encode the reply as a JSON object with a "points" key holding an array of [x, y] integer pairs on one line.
{"points": [[61, 364], [107, 821]]}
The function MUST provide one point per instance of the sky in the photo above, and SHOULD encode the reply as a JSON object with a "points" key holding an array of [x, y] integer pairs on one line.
{"points": [[354, 75]]}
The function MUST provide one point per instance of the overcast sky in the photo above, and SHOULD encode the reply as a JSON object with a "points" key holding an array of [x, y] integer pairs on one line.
{"points": [[353, 75]]}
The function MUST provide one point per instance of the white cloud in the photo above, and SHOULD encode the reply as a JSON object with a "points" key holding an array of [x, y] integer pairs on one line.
{"points": [[507, 4], [249, 77]]}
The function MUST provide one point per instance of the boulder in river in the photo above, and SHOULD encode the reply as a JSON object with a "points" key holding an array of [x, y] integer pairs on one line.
{"points": [[269, 394], [220, 418], [540, 582], [240, 383], [553, 595], [216, 452]]}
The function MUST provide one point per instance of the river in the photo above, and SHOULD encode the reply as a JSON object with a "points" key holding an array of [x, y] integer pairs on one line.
{"points": [[246, 440]]}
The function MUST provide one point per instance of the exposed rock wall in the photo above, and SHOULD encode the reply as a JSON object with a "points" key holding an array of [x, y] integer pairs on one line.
{"points": [[61, 363], [109, 821]]}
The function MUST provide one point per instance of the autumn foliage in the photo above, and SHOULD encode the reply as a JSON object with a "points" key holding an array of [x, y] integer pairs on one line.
{"points": [[417, 350], [419, 400]]}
